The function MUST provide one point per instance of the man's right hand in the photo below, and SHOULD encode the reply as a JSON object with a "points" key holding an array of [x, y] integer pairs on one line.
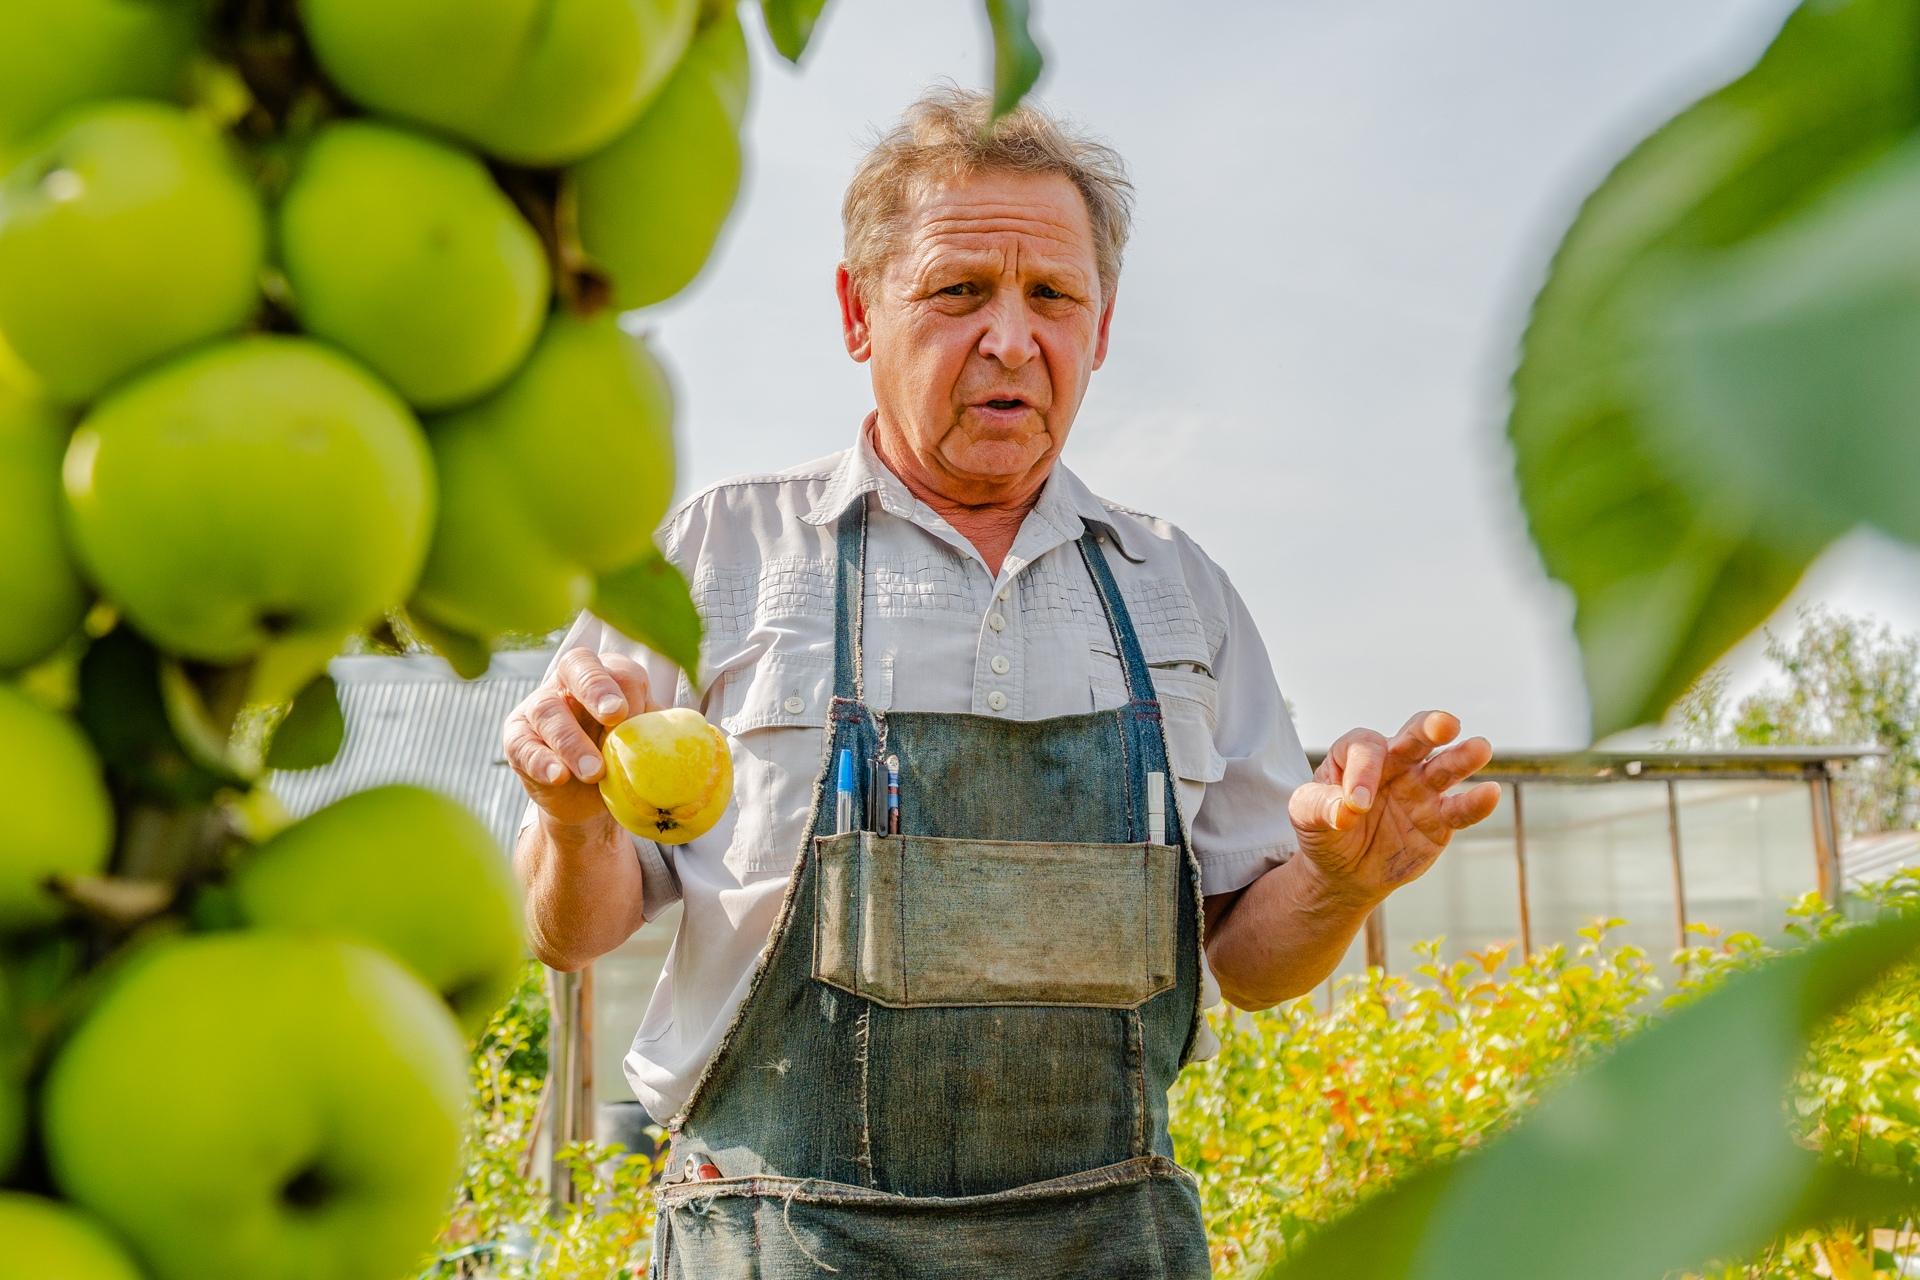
{"points": [[552, 739]]}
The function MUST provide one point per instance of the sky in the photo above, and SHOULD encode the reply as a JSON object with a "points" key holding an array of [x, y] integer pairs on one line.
{"points": [[1343, 210]]}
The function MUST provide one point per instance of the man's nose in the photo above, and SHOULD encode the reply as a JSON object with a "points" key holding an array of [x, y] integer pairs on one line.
{"points": [[1009, 334]]}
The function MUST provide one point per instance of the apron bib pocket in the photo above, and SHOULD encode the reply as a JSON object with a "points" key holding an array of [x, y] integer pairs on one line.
{"points": [[919, 921]]}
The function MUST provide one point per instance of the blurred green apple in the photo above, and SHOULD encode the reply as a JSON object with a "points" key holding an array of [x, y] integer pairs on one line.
{"points": [[490, 568], [586, 431], [57, 53], [126, 233], [42, 596], [405, 869], [652, 203], [47, 1240], [257, 495], [68, 827], [261, 1105], [559, 476], [537, 82], [405, 252]]}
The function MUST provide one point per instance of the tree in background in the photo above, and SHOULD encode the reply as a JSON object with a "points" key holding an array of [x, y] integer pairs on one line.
{"points": [[1841, 679]]}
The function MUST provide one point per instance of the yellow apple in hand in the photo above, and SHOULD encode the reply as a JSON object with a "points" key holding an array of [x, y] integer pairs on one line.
{"points": [[669, 774]]}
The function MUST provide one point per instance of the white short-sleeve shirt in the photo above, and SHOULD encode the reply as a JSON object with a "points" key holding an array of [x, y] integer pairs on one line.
{"points": [[941, 634]]}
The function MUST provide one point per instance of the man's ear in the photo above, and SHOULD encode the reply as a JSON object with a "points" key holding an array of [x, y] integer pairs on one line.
{"points": [[853, 315], [1106, 323]]}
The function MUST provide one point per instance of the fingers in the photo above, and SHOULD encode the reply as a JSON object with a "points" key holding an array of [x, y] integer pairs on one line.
{"points": [[584, 676], [1321, 806], [531, 758], [1363, 754], [1457, 763], [1418, 738], [636, 689], [1470, 806]]}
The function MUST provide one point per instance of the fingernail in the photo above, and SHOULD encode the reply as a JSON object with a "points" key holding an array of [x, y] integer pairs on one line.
{"points": [[1361, 799], [609, 704], [556, 771], [587, 765]]}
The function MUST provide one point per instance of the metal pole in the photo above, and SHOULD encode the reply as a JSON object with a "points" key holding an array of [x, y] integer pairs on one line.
{"points": [[1679, 878], [1377, 936], [1826, 835], [569, 1075], [1520, 869]]}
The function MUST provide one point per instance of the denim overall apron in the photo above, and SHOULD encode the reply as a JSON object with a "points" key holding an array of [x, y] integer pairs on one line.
{"points": [[954, 1054]]}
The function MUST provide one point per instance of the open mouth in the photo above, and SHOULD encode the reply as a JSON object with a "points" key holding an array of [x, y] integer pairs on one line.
{"points": [[1006, 404]]}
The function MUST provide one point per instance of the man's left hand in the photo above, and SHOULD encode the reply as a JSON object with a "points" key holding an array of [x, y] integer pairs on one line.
{"points": [[1378, 812]]}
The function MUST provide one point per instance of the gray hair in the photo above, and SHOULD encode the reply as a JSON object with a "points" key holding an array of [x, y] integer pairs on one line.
{"points": [[945, 134]]}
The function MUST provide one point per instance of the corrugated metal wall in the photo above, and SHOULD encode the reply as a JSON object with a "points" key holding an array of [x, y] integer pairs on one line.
{"points": [[413, 720]]}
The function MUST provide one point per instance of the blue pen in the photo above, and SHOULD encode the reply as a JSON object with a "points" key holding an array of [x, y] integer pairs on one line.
{"points": [[843, 794], [893, 795]]}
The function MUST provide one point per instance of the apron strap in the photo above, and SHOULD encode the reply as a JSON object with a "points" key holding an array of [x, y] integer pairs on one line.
{"points": [[849, 597], [1133, 663]]}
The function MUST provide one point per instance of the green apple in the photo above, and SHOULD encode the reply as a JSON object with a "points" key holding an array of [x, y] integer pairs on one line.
{"points": [[404, 251], [126, 233], [586, 431], [261, 1105], [47, 1240], [257, 495], [42, 596], [490, 568], [652, 203], [405, 869], [68, 827], [55, 54], [537, 82]]}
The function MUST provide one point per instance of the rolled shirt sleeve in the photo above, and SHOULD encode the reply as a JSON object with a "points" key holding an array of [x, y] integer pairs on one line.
{"points": [[1241, 829]]}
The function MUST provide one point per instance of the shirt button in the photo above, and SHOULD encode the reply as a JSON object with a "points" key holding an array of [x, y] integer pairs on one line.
{"points": [[997, 700], [997, 622], [795, 705], [1000, 664]]}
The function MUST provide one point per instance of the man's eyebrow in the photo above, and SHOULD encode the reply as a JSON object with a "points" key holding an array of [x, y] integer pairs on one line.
{"points": [[942, 261]]}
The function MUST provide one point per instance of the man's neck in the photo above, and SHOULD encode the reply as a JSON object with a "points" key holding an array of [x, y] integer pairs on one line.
{"points": [[990, 527]]}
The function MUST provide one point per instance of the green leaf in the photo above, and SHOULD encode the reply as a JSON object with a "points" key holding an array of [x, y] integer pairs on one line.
{"points": [[146, 733], [1671, 1151], [469, 656], [1789, 366], [648, 601], [790, 23], [312, 731], [1016, 58], [1667, 572]]}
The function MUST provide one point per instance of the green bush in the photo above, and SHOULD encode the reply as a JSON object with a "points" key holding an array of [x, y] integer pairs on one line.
{"points": [[500, 1226], [1305, 1114]]}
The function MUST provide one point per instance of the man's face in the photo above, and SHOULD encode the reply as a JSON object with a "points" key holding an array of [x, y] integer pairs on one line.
{"points": [[983, 331]]}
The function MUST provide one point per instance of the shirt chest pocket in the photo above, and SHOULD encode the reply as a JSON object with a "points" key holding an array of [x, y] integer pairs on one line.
{"points": [[1189, 713], [775, 713]]}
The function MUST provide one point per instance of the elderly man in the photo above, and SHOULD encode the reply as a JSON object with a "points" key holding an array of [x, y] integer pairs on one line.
{"points": [[939, 1043]]}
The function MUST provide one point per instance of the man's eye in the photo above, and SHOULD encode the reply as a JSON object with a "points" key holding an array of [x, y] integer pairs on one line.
{"points": [[1048, 292], [957, 290]]}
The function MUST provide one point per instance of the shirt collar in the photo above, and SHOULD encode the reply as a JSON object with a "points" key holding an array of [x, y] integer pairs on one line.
{"points": [[1064, 501]]}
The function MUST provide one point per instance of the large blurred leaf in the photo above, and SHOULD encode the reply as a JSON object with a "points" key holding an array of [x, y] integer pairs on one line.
{"points": [[1668, 572], [648, 601], [1789, 367], [1016, 59], [312, 730], [469, 656], [790, 23], [1671, 1151]]}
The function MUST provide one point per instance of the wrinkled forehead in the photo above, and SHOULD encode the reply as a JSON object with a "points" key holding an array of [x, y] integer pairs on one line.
{"points": [[1039, 219]]}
